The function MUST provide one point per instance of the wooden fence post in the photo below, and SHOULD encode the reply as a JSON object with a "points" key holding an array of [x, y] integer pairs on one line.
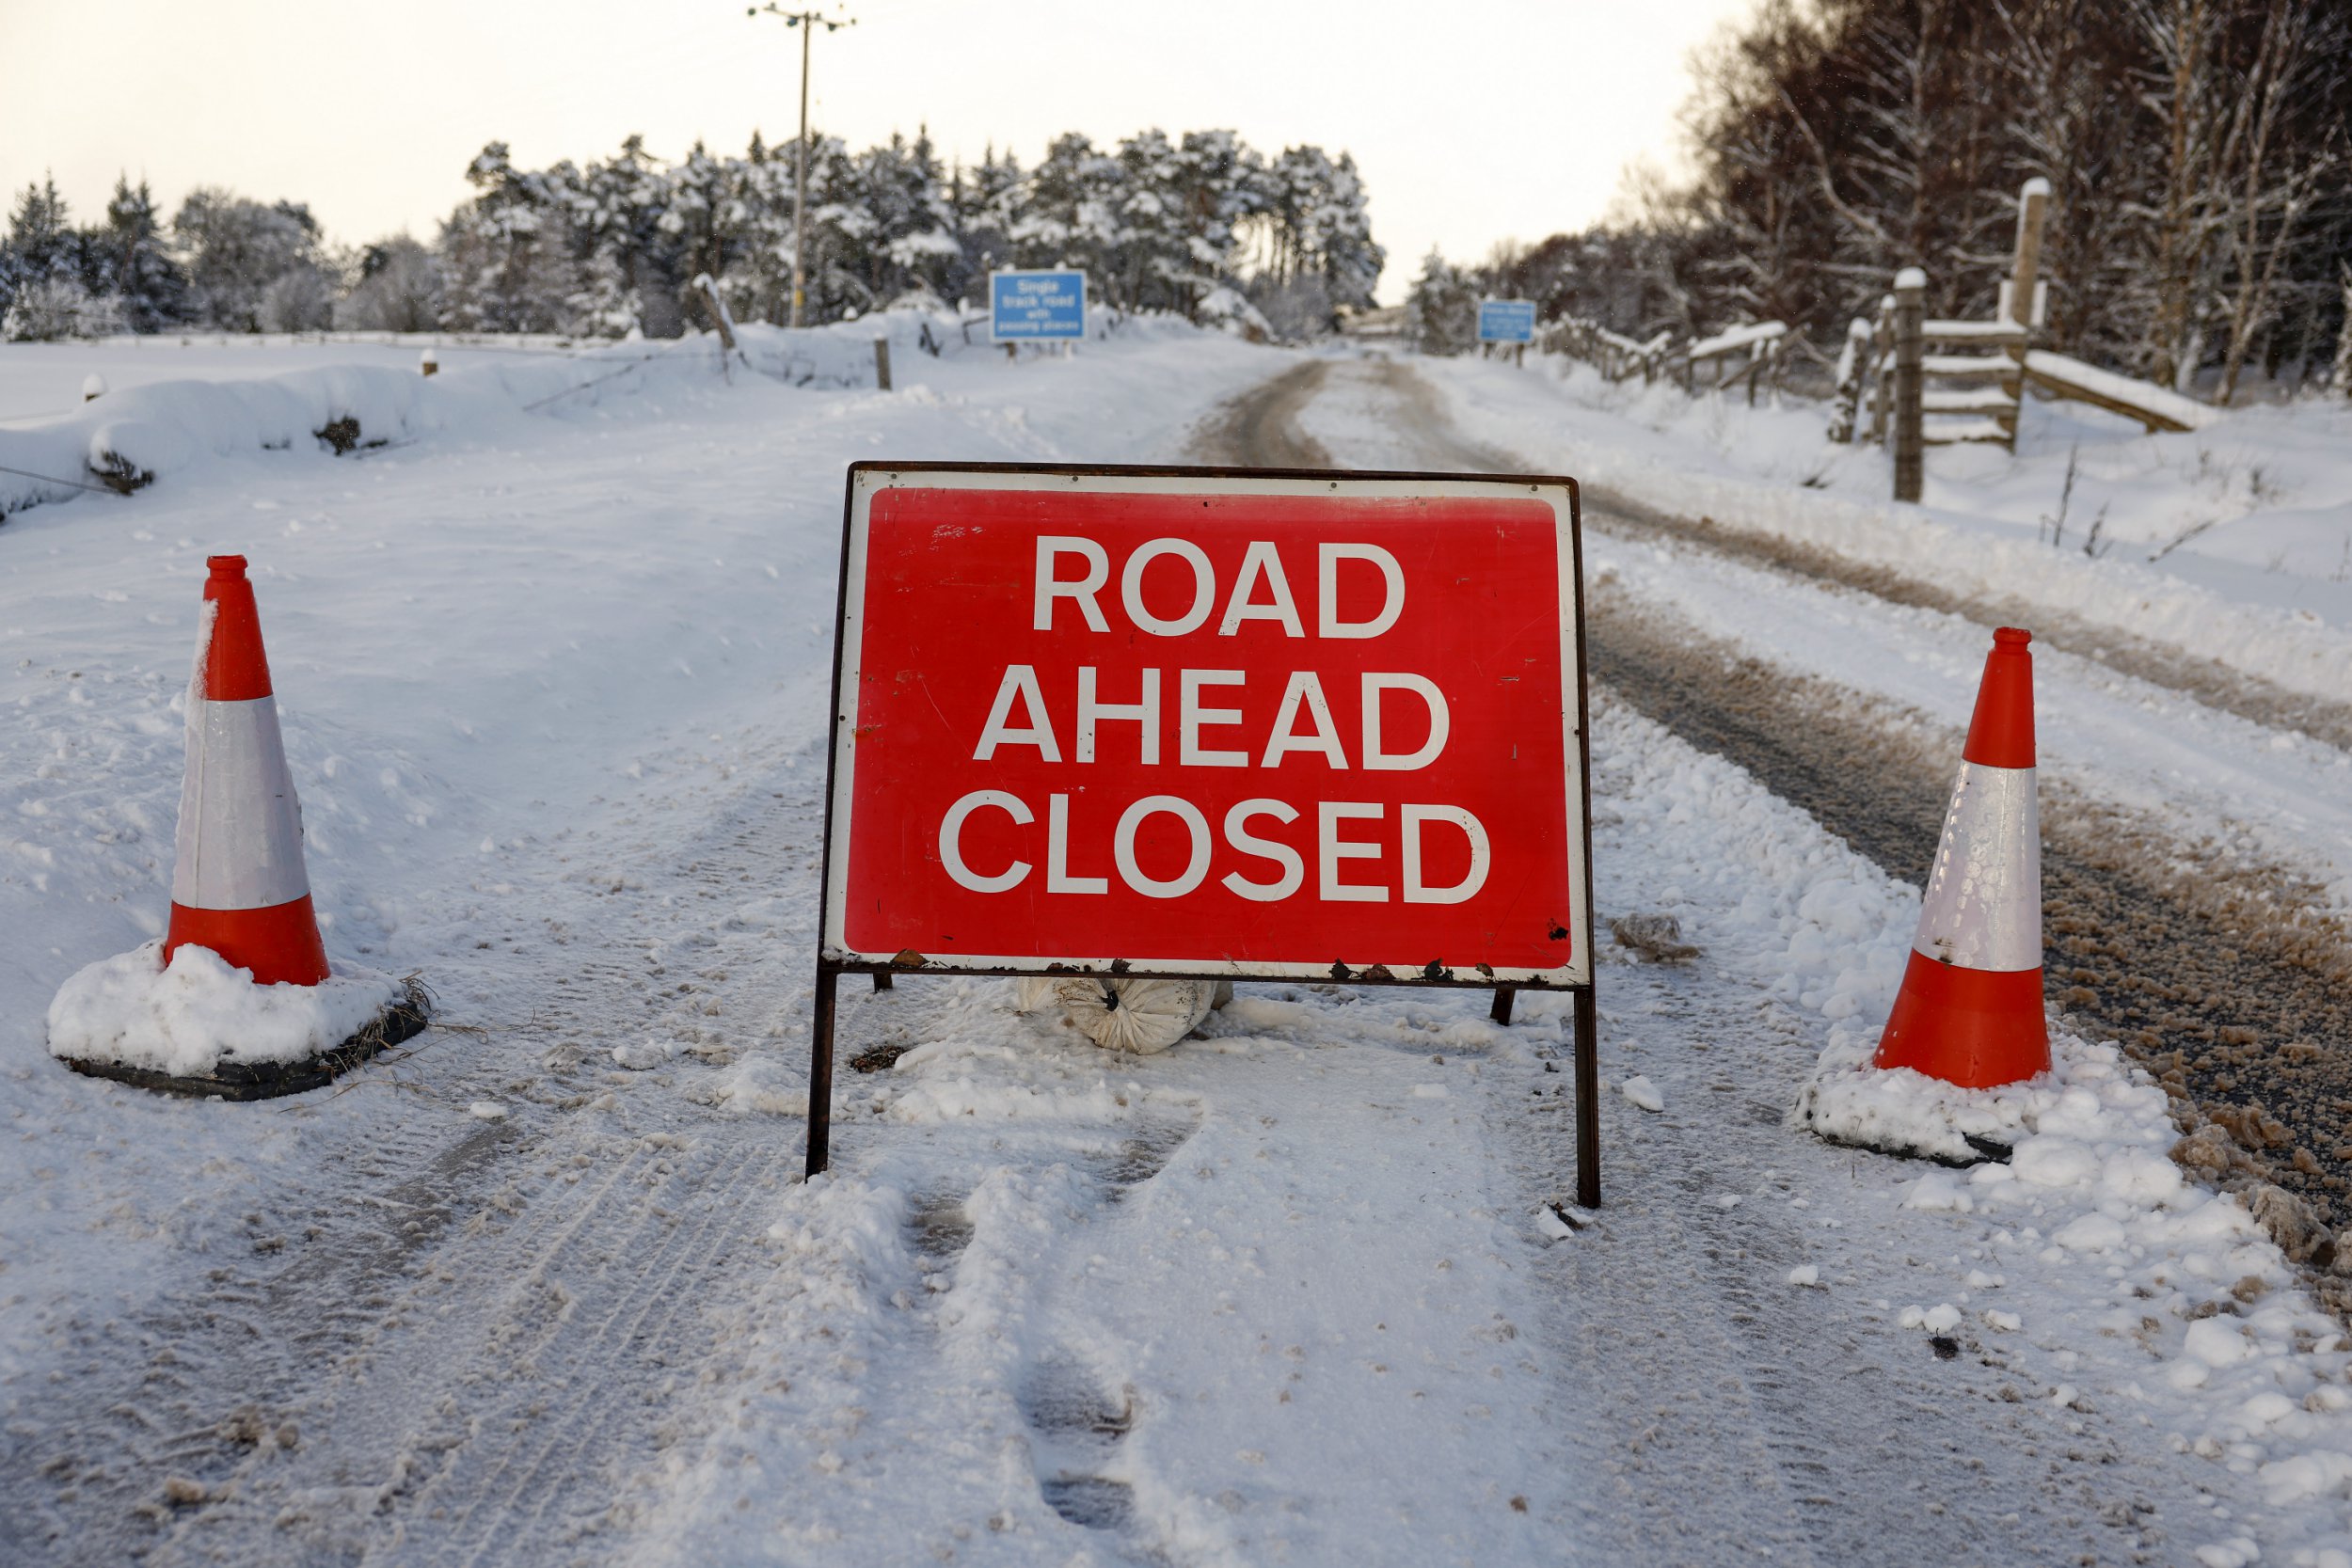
{"points": [[881, 363], [719, 316], [1883, 368], [1911, 288], [1853, 373], [2033, 207]]}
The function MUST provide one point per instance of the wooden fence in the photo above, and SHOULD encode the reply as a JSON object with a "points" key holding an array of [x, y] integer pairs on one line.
{"points": [[1740, 355], [1979, 370]]}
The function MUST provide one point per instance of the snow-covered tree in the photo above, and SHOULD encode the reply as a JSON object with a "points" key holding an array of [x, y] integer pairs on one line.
{"points": [[1157, 223], [133, 261], [40, 289], [239, 251], [2198, 154], [399, 289], [1443, 309], [510, 257]]}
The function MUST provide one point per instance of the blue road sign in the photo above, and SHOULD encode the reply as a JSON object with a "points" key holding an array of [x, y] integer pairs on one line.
{"points": [[1036, 306], [1506, 321]]}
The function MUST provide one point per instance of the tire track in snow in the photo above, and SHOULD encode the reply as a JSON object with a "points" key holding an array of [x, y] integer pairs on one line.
{"points": [[426, 1417], [1820, 1434]]}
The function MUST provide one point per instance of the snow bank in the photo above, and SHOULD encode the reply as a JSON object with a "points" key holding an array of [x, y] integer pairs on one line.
{"points": [[196, 1013], [2231, 542], [167, 429], [2293, 648]]}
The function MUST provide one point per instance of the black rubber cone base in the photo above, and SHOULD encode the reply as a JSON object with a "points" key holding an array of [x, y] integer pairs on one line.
{"points": [[1982, 1150], [401, 1020]]}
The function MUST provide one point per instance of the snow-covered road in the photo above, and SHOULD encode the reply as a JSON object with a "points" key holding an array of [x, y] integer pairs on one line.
{"points": [[2198, 853], [1297, 1292]]}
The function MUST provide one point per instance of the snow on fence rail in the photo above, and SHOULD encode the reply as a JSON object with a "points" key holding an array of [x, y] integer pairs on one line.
{"points": [[1615, 355], [2152, 406], [1756, 345]]}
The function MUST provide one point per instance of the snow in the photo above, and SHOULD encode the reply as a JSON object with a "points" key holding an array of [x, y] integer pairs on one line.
{"points": [[2228, 543], [2125, 389], [1732, 340], [1300, 1286], [168, 424], [194, 1014]]}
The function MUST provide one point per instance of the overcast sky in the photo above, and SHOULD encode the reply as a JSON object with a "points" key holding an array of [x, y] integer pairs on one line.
{"points": [[1474, 121]]}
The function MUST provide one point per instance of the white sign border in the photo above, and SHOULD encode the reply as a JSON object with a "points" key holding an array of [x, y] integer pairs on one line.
{"points": [[866, 479]]}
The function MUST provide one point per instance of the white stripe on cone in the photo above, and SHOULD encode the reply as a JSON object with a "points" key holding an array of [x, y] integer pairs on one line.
{"points": [[1984, 905], [231, 855]]}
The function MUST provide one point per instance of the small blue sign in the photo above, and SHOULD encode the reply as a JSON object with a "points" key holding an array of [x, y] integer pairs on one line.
{"points": [[1506, 321], [1036, 307]]}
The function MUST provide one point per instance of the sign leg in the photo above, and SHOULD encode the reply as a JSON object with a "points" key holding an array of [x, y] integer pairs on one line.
{"points": [[883, 980], [820, 1072], [1500, 1012], [1587, 1100]]}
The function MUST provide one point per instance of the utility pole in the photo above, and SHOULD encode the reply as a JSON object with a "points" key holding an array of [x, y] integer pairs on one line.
{"points": [[808, 22]]}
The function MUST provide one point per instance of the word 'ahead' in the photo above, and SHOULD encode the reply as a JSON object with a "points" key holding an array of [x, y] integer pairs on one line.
{"points": [[1210, 722]]}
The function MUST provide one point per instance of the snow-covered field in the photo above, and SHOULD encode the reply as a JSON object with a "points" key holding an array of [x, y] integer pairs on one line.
{"points": [[546, 1287], [2233, 542]]}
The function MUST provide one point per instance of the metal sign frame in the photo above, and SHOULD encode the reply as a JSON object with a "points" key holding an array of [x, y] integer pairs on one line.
{"points": [[997, 336], [834, 960]]}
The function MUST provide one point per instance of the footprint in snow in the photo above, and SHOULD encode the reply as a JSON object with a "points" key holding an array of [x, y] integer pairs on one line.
{"points": [[1075, 1428]]}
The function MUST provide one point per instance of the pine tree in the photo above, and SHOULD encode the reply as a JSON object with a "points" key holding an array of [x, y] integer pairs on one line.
{"points": [[152, 287], [1443, 309], [41, 293]]}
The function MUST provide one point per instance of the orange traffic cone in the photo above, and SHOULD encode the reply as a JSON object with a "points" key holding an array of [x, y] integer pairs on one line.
{"points": [[1970, 1009], [239, 887]]}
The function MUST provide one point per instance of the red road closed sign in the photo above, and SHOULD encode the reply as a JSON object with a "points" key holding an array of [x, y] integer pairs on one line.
{"points": [[1205, 723]]}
